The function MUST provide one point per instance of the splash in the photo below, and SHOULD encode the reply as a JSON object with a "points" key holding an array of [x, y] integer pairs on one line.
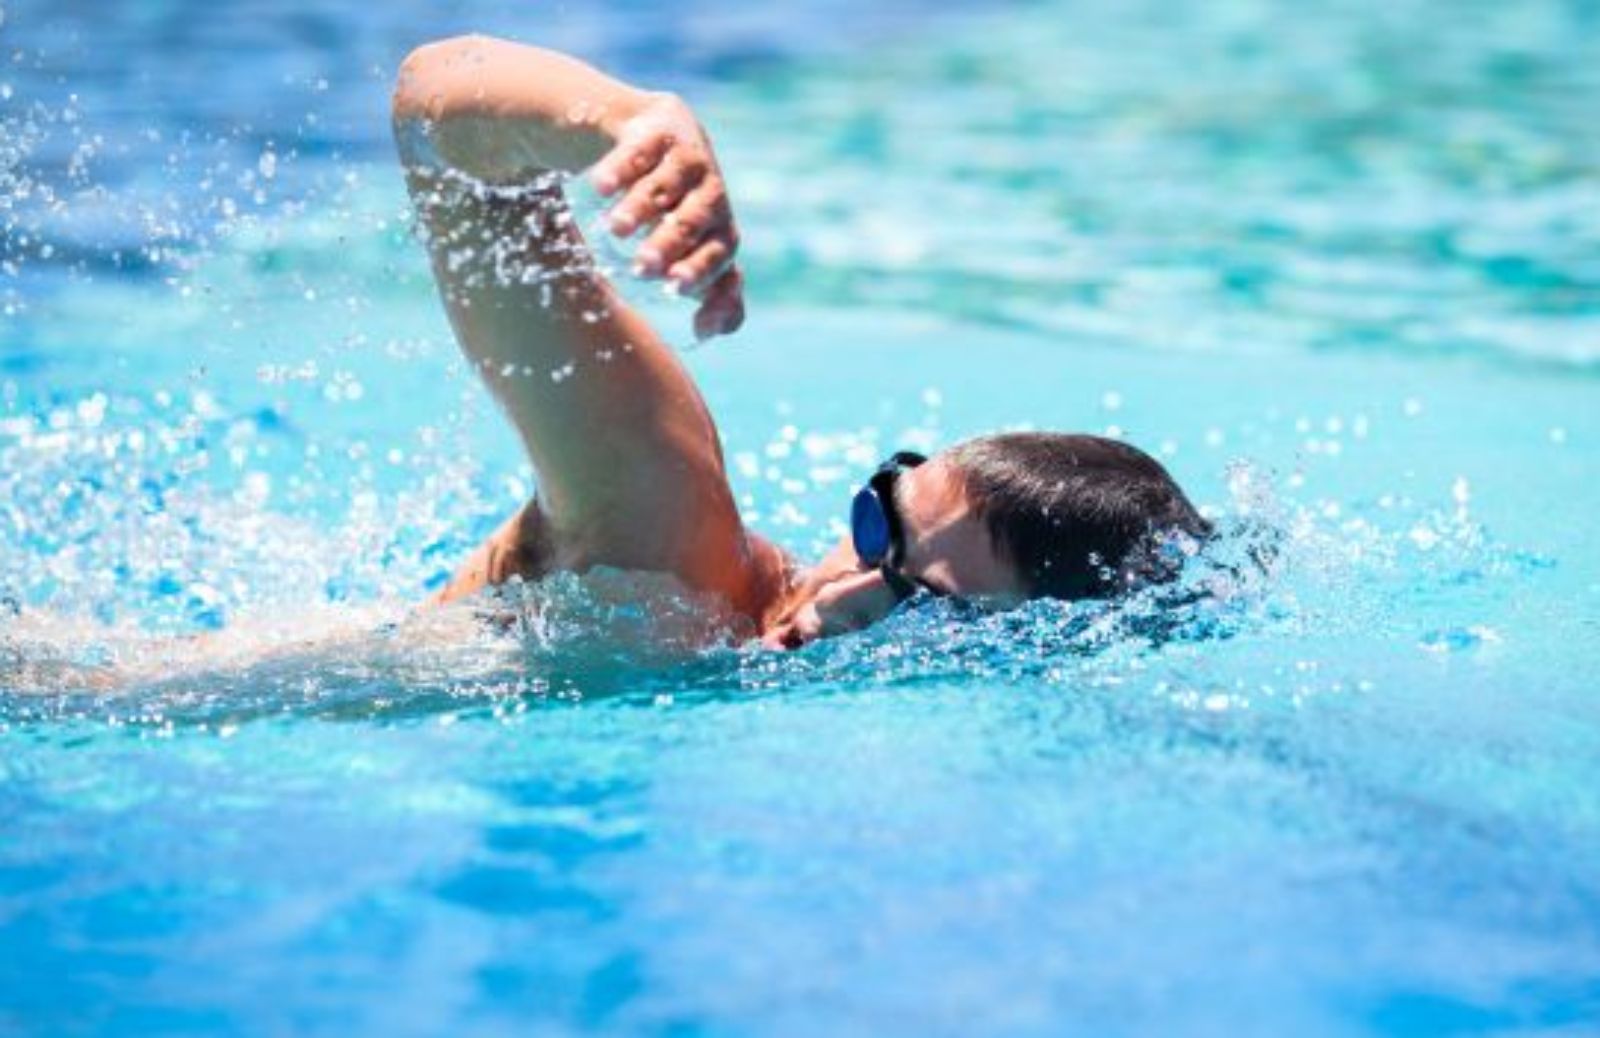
{"points": [[1286, 581]]}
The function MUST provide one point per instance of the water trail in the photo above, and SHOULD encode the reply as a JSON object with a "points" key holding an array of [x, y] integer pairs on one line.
{"points": [[191, 628]]}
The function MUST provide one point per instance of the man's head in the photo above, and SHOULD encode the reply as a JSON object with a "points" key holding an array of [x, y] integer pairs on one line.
{"points": [[1007, 518]]}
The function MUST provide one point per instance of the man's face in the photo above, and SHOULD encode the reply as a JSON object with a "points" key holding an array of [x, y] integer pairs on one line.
{"points": [[948, 551]]}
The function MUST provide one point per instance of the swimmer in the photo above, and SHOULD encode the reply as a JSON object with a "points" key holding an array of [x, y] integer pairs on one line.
{"points": [[629, 463]]}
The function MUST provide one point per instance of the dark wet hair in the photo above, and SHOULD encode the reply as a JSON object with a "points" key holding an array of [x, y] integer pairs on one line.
{"points": [[1079, 516]]}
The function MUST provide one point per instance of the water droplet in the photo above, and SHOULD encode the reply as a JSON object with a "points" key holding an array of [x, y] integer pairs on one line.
{"points": [[1458, 639]]}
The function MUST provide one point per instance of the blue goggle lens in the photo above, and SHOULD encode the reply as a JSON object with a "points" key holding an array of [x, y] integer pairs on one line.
{"points": [[869, 527], [875, 527]]}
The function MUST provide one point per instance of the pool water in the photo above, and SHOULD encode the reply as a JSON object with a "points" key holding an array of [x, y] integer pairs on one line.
{"points": [[1337, 266]]}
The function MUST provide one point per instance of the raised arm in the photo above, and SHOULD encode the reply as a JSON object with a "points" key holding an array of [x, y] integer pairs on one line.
{"points": [[629, 466]]}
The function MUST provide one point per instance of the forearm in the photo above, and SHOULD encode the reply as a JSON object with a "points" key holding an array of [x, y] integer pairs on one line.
{"points": [[501, 111]]}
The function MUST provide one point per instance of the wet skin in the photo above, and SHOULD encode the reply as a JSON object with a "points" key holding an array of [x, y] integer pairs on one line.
{"points": [[628, 434], [948, 553]]}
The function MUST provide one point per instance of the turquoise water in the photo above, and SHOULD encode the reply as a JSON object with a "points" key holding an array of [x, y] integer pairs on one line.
{"points": [[1339, 268]]}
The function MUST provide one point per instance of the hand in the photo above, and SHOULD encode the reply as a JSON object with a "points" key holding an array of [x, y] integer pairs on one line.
{"points": [[670, 182]]}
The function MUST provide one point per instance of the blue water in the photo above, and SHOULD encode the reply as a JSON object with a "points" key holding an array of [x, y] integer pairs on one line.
{"points": [[1338, 266]]}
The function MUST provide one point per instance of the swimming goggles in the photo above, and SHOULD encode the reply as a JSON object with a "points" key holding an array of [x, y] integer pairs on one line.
{"points": [[876, 530]]}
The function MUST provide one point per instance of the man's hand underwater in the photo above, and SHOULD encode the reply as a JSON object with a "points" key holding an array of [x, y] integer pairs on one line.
{"points": [[672, 187]]}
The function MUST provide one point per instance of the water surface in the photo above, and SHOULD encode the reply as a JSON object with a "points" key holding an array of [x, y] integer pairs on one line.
{"points": [[1338, 268]]}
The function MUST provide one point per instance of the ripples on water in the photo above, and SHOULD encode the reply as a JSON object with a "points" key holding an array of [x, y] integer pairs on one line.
{"points": [[153, 569], [1235, 179], [1338, 267], [1308, 182]]}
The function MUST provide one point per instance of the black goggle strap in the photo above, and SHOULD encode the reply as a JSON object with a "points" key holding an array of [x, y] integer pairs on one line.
{"points": [[882, 484], [901, 586]]}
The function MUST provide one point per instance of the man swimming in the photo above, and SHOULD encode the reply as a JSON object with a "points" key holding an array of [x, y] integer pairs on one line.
{"points": [[629, 464]]}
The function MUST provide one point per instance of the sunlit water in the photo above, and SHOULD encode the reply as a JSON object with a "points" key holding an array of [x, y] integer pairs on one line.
{"points": [[1339, 266]]}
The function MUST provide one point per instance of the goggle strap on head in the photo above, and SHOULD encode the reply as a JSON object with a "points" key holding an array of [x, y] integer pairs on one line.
{"points": [[882, 486], [898, 584]]}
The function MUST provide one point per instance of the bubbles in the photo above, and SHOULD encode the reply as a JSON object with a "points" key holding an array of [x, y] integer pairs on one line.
{"points": [[173, 554], [1282, 578], [343, 387], [1458, 639], [1424, 537], [1320, 754], [91, 412], [254, 503], [152, 517]]}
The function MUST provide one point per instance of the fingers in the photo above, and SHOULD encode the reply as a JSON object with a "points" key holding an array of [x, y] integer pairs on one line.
{"points": [[669, 183], [655, 194], [701, 216], [629, 160], [722, 311], [704, 265]]}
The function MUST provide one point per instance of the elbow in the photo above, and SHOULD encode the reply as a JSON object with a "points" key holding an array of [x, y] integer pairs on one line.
{"points": [[424, 85]]}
